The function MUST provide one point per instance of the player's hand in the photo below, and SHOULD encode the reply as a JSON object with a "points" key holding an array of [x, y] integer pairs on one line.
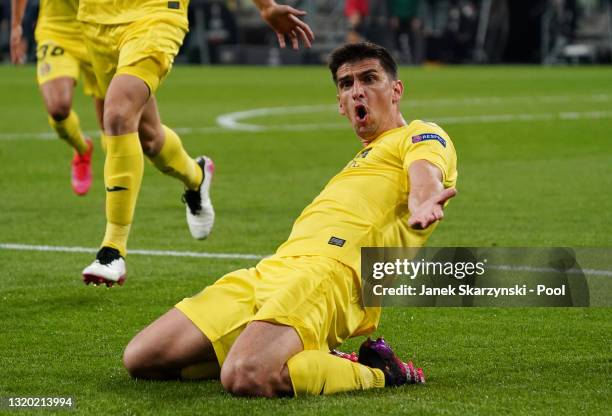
{"points": [[17, 45], [431, 210], [285, 22]]}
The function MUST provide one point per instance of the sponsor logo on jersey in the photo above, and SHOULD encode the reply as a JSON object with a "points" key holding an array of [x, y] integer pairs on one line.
{"points": [[335, 241], [428, 136]]}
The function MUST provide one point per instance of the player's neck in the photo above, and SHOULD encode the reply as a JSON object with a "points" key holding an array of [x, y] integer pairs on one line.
{"points": [[397, 122]]}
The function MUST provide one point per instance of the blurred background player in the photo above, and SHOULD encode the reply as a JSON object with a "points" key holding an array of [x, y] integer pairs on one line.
{"points": [[408, 30], [61, 57], [356, 12], [133, 46]]}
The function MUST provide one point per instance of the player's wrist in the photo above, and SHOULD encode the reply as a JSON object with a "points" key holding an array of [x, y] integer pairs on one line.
{"points": [[265, 5]]}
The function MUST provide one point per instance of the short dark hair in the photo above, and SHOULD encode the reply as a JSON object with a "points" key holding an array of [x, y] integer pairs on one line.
{"points": [[354, 52]]}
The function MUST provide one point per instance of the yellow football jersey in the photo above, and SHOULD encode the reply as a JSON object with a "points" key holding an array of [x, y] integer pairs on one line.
{"points": [[116, 12], [366, 204], [58, 18]]}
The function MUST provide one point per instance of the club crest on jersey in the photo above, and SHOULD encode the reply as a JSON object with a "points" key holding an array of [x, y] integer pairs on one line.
{"points": [[44, 69], [428, 136], [364, 153]]}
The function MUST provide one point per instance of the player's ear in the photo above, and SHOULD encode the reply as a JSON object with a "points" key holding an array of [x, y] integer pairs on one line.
{"points": [[398, 90], [340, 106]]}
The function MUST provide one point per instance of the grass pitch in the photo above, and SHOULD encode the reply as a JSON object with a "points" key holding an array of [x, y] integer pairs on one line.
{"points": [[535, 162]]}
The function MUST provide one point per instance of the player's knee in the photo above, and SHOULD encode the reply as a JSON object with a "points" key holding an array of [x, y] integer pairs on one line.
{"points": [[243, 378], [133, 360], [138, 360], [59, 109], [119, 120]]}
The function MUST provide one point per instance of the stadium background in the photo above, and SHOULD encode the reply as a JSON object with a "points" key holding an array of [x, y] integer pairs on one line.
{"points": [[419, 31], [535, 160]]}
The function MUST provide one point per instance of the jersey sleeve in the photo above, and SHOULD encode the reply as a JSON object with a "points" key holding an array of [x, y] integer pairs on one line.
{"points": [[428, 141]]}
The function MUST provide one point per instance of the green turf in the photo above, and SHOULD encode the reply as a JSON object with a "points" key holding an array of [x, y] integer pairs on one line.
{"points": [[543, 182]]}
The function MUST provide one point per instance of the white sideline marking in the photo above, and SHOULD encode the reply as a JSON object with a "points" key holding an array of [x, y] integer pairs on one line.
{"points": [[62, 249], [232, 122], [170, 253]]}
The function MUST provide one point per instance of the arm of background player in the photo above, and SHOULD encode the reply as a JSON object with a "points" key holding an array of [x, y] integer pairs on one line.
{"points": [[427, 194], [285, 21], [17, 43]]}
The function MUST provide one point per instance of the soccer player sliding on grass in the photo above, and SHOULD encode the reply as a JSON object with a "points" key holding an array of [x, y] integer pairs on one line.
{"points": [[267, 331]]}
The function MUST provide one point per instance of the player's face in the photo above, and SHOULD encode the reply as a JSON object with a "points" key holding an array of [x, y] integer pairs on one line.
{"points": [[368, 97]]}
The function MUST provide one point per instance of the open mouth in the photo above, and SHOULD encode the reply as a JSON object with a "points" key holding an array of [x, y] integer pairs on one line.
{"points": [[361, 112]]}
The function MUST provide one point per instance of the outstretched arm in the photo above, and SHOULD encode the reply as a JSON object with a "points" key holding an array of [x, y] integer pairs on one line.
{"points": [[17, 44], [285, 22], [427, 194]]}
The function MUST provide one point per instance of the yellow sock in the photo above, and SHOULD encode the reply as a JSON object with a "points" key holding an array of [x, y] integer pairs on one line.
{"points": [[318, 372], [69, 129], [122, 177], [173, 160], [116, 235]]}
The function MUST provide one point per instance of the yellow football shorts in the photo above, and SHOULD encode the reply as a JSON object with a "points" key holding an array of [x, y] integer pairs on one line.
{"points": [[58, 57], [144, 48], [318, 296]]}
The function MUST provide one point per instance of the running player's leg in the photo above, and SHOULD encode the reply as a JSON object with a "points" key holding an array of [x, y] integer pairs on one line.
{"points": [[125, 101], [128, 110], [57, 71], [57, 95], [164, 148], [168, 348]]}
